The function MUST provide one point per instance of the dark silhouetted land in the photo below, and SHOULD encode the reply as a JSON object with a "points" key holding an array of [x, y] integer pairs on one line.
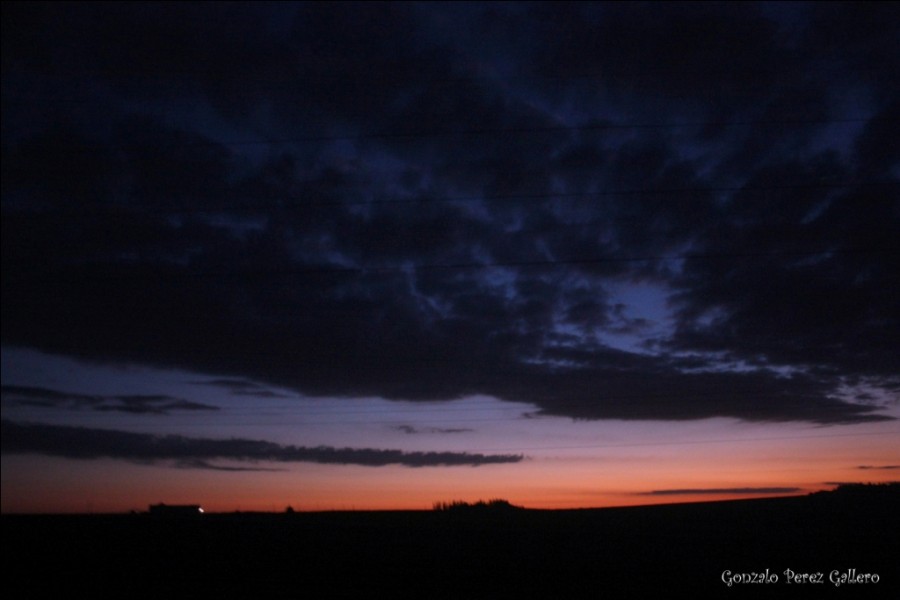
{"points": [[506, 553]]}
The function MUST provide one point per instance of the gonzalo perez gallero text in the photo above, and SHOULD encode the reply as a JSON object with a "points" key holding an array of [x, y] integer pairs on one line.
{"points": [[790, 577]]}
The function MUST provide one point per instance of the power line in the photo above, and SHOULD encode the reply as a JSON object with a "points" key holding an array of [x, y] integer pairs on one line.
{"points": [[468, 405], [125, 211], [657, 401], [164, 271], [399, 135], [653, 443], [688, 442], [469, 75], [424, 414]]}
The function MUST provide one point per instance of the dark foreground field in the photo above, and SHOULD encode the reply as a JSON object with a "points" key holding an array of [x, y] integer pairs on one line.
{"points": [[603, 553]]}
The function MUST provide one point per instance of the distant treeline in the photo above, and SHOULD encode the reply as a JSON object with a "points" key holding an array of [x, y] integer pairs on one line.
{"points": [[867, 489], [459, 505]]}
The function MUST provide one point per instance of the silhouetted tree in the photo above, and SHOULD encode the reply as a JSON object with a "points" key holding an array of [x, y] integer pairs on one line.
{"points": [[495, 504]]}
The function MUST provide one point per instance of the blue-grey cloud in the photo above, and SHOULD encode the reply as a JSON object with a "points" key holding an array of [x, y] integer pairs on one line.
{"points": [[243, 387], [150, 404]]}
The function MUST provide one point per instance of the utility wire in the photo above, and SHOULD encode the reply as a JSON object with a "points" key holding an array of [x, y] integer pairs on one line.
{"points": [[127, 210], [399, 135], [277, 81], [121, 272], [688, 442]]}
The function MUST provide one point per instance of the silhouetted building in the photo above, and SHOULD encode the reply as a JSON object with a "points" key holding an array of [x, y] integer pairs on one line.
{"points": [[175, 510]]}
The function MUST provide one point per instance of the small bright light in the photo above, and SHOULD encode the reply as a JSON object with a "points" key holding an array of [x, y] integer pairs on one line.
{"points": [[200, 509]]}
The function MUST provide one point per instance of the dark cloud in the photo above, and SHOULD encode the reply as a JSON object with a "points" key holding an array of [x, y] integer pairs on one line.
{"points": [[202, 464], [86, 443], [409, 429], [723, 491], [879, 467], [243, 387], [135, 403], [384, 202]]}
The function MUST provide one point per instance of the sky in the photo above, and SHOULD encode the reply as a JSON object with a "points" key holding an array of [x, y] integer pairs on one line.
{"points": [[342, 256]]}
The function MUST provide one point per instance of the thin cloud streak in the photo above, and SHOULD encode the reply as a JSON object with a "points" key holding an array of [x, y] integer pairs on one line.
{"points": [[155, 404], [722, 491], [409, 429]]}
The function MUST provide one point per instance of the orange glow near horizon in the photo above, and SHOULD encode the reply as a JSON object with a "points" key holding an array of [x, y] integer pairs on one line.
{"points": [[565, 463], [34, 484]]}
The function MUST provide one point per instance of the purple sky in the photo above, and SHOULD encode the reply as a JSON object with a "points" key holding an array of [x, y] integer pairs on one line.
{"points": [[332, 243]]}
